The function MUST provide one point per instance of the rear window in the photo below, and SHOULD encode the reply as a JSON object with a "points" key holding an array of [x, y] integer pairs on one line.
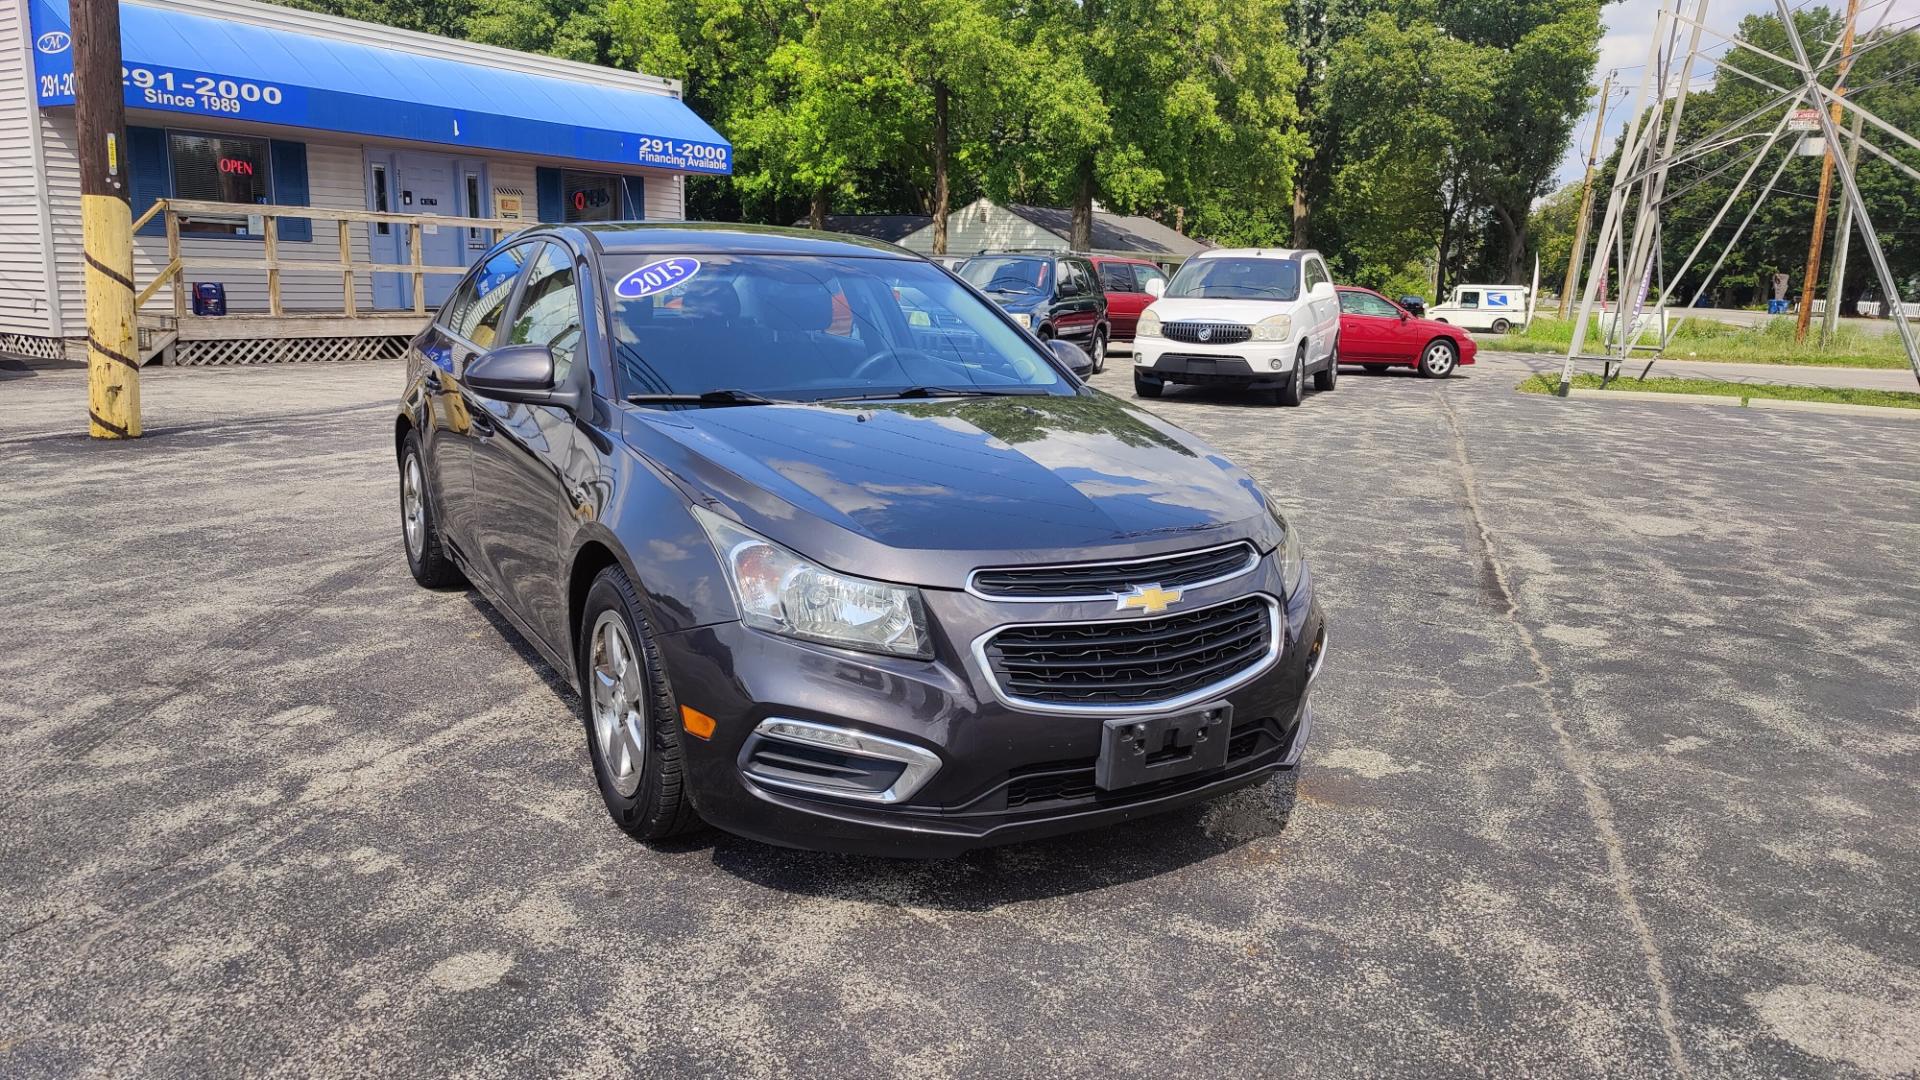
{"points": [[1008, 275], [1237, 279]]}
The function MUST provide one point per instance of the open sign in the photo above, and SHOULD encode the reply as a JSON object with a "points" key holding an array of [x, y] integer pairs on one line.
{"points": [[236, 166]]}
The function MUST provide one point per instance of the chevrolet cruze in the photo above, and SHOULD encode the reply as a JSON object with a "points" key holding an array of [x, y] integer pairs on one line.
{"points": [[838, 555]]}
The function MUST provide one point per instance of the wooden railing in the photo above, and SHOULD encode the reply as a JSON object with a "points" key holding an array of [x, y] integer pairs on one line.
{"points": [[173, 211]]}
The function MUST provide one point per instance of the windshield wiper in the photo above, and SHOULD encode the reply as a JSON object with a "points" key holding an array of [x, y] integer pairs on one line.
{"points": [[943, 391], [710, 397]]}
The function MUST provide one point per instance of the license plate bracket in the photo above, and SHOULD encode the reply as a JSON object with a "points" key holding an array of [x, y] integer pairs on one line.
{"points": [[1146, 749]]}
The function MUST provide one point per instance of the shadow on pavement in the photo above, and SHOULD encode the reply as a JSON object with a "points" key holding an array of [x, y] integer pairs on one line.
{"points": [[1041, 869]]}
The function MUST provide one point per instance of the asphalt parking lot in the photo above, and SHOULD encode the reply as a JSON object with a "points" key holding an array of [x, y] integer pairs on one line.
{"points": [[1614, 774]]}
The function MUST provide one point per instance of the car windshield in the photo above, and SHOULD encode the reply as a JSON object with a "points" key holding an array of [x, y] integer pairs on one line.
{"points": [[807, 328], [1236, 279], [1008, 276]]}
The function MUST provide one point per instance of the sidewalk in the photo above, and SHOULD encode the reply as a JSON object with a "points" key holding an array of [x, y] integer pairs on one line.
{"points": [[1523, 364]]}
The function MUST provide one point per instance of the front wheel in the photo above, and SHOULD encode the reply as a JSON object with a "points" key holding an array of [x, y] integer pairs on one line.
{"points": [[420, 524], [1099, 352], [1330, 377], [632, 722], [1295, 391], [1501, 326], [1439, 359]]}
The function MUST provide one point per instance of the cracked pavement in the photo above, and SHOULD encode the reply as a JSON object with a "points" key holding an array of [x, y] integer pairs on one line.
{"points": [[1614, 774]]}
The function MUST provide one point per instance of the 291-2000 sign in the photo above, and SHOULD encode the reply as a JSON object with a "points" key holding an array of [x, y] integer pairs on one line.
{"points": [[198, 91]]}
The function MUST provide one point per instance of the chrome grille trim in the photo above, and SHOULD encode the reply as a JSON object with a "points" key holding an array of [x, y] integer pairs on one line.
{"points": [[1276, 645], [1148, 575]]}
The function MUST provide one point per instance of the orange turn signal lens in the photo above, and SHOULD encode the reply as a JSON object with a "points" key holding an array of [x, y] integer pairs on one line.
{"points": [[696, 722]]}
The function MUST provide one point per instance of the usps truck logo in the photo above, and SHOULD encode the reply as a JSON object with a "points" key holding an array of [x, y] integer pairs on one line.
{"points": [[1497, 299], [656, 277], [53, 41]]}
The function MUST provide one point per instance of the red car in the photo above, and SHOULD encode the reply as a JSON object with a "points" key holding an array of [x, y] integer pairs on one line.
{"points": [[1378, 333], [1125, 283]]}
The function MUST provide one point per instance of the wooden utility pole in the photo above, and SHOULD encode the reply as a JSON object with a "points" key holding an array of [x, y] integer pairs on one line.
{"points": [[1586, 200], [1826, 185], [106, 222]]}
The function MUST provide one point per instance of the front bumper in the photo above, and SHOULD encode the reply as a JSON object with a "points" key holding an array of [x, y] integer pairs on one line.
{"points": [[1005, 774], [1247, 363]]}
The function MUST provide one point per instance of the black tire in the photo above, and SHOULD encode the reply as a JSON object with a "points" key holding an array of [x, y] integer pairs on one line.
{"points": [[1438, 359], [1146, 387], [1329, 377], [658, 807], [427, 556], [1295, 391], [1501, 326], [1099, 352]]}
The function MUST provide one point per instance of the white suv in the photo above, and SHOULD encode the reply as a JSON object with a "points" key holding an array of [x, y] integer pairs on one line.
{"points": [[1261, 318]]}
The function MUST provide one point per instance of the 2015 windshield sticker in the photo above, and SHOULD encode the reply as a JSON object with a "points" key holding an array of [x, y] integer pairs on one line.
{"points": [[656, 277]]}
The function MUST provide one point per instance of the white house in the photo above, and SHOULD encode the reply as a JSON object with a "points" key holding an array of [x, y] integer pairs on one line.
{"points": [[243, 102]]}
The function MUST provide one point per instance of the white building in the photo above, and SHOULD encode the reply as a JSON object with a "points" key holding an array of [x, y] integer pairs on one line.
{"points": [[243, 102]]}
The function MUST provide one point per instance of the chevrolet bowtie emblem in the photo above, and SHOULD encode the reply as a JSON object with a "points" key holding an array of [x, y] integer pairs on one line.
{"points": [[1151, 599]]}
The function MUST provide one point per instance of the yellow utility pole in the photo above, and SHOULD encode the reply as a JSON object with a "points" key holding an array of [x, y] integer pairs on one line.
{"points": [[106, 222], [1826, 186], [1586, 200]]}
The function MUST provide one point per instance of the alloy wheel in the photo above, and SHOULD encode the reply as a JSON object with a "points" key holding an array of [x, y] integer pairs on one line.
{"points": [[413, 507], [1099, 353], [618, 682], [1439, 360]]}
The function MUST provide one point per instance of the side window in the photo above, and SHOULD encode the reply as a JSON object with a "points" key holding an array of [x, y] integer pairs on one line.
{"points": [[1316, 273], [1470, 299], [475, 309], [1373, 305], [1069, 279], [1117, 277], [550, 310], [1144, 274]]}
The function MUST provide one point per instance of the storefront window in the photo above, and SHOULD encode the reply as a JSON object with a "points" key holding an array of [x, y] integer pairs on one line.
{"points": [[219, 168], [591, 196]]}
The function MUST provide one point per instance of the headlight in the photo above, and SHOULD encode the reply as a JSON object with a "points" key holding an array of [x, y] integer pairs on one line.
{"points": [[1149, 324], [1273, 328], [1292, 557], [781, 592]]}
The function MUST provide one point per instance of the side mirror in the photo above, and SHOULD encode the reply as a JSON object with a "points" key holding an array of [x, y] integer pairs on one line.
{"points": [[1156, 288], [1073, 356], [513, 373], [1322, 290]]}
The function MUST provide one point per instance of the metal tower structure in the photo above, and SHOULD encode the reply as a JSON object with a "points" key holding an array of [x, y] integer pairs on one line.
{"points": [[1630, 228]]}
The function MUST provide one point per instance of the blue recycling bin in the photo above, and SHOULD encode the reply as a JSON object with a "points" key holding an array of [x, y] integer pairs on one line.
{"points": [[1776, 307]]}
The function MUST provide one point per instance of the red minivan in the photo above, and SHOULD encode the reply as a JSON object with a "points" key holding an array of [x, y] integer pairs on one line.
{"points": [[1125, 283]]}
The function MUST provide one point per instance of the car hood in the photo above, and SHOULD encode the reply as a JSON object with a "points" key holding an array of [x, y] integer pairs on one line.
{"points": [[1230, 311], [924, 491], [1019, 301]]}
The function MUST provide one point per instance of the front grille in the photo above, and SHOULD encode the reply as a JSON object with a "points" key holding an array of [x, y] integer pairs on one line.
{"points": [[1150, 661], [1207, 333], [1103, 580]]}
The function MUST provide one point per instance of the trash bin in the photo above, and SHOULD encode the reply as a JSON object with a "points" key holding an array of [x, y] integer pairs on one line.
{"points": [[1776, 307], [209, 298]]}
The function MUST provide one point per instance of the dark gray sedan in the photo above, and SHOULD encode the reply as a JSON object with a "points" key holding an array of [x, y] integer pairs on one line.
{"points": [[836, 553]]}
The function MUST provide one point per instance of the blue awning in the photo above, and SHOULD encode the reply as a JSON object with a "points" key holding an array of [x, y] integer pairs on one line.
{"points": [[182, 62]]}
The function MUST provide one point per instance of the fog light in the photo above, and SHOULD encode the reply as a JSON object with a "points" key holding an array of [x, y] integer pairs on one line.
{"points": [[1274, 363], [846, 763]]}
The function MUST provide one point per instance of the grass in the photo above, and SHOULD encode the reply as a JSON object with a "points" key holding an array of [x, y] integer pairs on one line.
{"points": [[1843, 395], [1700, 339]]}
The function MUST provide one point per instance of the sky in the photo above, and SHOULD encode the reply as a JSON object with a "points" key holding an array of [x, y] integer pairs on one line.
{"points": [[1629, 34]]}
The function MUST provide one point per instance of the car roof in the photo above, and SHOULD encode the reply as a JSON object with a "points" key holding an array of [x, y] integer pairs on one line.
{"points": [[704, 237], [1254, 253]]}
